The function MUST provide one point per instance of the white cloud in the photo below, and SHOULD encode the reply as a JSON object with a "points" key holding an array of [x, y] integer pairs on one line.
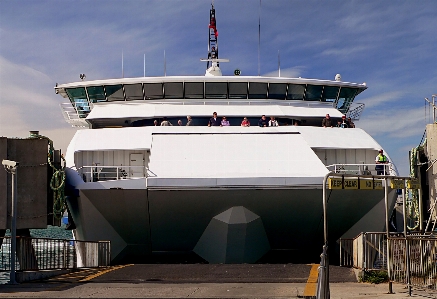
{"points": [[383, 98], [293, 72]]}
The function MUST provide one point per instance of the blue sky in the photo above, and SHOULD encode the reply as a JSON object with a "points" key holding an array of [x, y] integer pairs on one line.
{"points": [[390, 45]]}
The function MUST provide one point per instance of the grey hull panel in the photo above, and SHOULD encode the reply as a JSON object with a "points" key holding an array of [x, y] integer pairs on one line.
{"points": [[139, 222]]}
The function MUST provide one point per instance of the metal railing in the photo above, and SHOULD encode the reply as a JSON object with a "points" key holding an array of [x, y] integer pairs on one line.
{"points": [[112, 172], [50, 254], [367, 251], [361, 169], [413, 260], [72, 116]]}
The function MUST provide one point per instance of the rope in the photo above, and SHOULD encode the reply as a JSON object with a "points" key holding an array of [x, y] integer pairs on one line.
{"points": [[57, 183]]}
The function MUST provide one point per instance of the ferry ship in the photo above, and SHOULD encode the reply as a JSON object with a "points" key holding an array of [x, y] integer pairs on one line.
{"points": [[230, 194]]}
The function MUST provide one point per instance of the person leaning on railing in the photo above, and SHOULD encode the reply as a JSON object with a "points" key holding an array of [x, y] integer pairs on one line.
{"points": [[381, 159]]}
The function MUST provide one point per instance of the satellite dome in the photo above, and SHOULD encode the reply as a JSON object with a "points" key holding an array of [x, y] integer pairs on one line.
{"points": [[338, 77]]}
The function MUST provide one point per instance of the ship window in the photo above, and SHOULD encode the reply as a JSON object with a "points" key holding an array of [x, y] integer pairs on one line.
{"points": [[133, 92], [313, 93], [330, 93], [257, 90], [238, 90], [345, 99], [114, 93], [153, 91], [194, 90], [174, 90], [295, 91], [216, 90], [79, 100], [277, 91], [96, 94]]}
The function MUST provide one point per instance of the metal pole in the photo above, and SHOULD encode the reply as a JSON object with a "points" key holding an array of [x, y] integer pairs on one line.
{"points": [[13, 225], [390, 284]]}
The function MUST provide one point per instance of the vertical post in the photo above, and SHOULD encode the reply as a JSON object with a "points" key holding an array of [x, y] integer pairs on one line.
{"points": [[13, 224], [390, 283]]}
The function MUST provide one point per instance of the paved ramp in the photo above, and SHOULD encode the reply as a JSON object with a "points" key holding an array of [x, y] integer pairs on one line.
{"points": [[219, 273]]}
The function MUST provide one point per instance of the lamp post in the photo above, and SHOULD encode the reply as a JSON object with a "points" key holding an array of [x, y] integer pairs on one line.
{"points": [[12, 167]]}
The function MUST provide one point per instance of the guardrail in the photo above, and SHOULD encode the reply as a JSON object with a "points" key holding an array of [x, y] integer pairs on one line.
{"points": [[51, 254], [361, 169], [413, 260], [367, 251], [113, 172]]}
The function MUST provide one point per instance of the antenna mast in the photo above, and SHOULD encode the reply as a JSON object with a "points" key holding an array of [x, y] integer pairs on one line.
{"points": [[212, 36]]}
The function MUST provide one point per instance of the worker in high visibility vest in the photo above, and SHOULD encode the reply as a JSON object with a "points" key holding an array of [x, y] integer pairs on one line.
{"points": [[381, 159]]}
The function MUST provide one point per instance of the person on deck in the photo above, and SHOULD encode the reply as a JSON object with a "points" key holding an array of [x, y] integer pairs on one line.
{"points": [[214, 121], [273, 122], [245, 122], [189, 121], [263, 121], [224, 122], [165, 122], [327, 122], [381, 159]]}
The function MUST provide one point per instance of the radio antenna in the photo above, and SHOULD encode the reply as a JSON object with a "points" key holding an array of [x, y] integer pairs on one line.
{"points": [[279, 64], [144, 63]]}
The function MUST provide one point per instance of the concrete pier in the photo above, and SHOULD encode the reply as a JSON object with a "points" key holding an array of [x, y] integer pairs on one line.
{"points": [[202, 281]]}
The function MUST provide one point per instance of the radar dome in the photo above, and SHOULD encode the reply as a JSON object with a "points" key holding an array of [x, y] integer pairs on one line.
{"points": [[338, 77]]}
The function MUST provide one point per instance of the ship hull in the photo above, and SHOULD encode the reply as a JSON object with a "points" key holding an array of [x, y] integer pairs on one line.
{"points": [[141, 222]]}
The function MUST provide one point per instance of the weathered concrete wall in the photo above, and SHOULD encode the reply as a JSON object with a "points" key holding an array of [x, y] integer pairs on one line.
{"points": [[32, 183], [431, 152]]}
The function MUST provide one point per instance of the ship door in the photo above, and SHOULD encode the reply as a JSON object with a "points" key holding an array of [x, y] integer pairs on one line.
{"points": [[137, 165]]}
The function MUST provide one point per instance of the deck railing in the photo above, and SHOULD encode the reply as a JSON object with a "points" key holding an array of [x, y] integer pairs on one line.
{"points": [[113, 172], [413, 260], [50, 254], [369, 169]]}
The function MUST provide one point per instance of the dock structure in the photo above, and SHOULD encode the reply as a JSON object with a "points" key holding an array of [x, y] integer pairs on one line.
{"points": [[431, 168]]}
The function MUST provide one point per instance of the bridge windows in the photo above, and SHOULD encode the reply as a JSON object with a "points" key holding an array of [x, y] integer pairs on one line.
{"points": [[295, 91], [194, 90], [257, 90], [346, 98], [330, 93], [313, 92], [79, 100], [153, 91], [96, 94], [216, 90], [237, 90], [174, 90], [277, 91], [133, 92], [114, 92]]}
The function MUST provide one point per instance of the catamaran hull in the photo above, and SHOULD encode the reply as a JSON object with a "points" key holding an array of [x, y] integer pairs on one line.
{"points": [[140, 222]]}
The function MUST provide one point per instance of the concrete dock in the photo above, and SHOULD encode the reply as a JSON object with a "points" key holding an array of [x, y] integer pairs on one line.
{"points": [[203, 281]]}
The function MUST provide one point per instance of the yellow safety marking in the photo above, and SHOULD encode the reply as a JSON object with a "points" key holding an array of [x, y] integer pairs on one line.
{"points": [[366, 184], [88, 278], [397, 184], [335, 183], [350, 184], [311, 285], [413, 184]]}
